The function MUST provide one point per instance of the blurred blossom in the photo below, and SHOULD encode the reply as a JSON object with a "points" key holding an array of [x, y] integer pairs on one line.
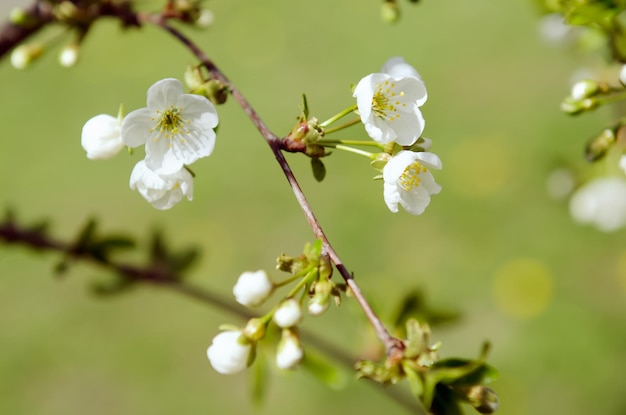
{"points": [[290, 351], [523, 287], [253, 288], [560, 183], [622, 163], [229, 353], [288, 314], [553, 29], [601, 203], [622, 75], [389, 102], [408, 182], [162, 191]]}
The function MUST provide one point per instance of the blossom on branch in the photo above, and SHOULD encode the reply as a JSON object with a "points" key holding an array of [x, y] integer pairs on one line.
{"points": [[288, 314], [389, 102], [408, 182], [253, 288], [289, 352], [162, 190], [229, 353], [101, 137], [602, 203], [176, 128]]}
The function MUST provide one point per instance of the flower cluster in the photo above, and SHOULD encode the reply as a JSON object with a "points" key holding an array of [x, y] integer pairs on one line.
{"points": [[389, 106], [176, 129], [234, 349]]}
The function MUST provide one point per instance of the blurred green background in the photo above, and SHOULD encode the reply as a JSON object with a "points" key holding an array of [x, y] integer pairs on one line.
{"points": [[547, 293]]}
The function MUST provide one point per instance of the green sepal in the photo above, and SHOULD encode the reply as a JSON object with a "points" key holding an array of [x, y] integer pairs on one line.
{"points": [[319, 170]]}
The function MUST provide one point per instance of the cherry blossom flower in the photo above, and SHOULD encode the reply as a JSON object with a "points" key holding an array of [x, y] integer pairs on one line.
{"points": [[101, 137], [176, 128], [408, 182], [162, 190], [389, 102], [253, 288], [229, 352], [601, 203]]}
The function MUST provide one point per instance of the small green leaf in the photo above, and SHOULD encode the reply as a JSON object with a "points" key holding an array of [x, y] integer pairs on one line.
{"points": [[319, 170], [305, 107], [260, 380]]}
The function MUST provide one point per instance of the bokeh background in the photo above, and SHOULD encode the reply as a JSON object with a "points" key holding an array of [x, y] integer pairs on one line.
{"points": [[493, 246]]}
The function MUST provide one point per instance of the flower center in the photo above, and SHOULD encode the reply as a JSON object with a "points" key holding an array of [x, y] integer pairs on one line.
{"points": [[170, 123], [385, 101], [410, 176]]}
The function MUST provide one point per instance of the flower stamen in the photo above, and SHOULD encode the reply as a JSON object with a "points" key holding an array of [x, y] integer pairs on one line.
{"points": [[410, 176]]}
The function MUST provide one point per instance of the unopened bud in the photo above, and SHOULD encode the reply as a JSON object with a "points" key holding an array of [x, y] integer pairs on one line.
{"points": [[23, 55], [288, 314], [482, 398], [255, 329], [289, 352], [598, 146], [584, 89], [205, 19], [390, 12], [69, 55]]}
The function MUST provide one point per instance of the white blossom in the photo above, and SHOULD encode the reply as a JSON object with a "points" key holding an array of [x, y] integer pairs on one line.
{"points": [[161, 190], [288, 314], [253, 288], [317, 307], [23, 55], [176, 128], [290, 351], [69, 55], [622, 163], [229, 352], [101, 137], [601, 203], [408, 182], [388, 103]]}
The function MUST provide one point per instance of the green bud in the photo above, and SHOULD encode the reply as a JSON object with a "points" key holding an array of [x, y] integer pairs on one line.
{"points": [[390, 12], [284, 263], [571, 106], [193, 78], [255, 329], [598, 146], [482, 398], [20, 18]]}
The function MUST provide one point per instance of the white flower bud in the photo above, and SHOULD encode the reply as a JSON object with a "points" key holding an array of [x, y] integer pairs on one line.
{"points": [[102, 137], [253, 288], [205, 18], [228, 354], [288, 314], [318, 306], [24, 55], [290, 351], [69, 56]]}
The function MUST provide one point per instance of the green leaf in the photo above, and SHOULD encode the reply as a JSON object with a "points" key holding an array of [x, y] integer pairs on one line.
{"points": [[260, 378], [323, 370], [319, 170]]}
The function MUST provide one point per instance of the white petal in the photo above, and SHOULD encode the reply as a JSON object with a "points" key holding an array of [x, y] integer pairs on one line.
{"points": [[164, 93], [396, 166], [430, 160], [136, 127], [398, 68], [101, 137]]}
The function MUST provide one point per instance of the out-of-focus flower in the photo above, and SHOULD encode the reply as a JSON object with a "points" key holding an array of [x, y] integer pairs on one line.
{"points": [[408, 182], [23, 55], [229, 353], [162, 190], [176, 128], [290, 351], [288, 314], [601, 203]]}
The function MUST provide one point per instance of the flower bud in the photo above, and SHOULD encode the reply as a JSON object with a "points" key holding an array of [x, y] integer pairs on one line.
{"points": [[253, 288], [584, 89], [255, 329], [482, 398], [288, 314], [229, 352], [289, 352], [205, 18], [598, 146], [24, 55], [389, 11], [321, 297], [69, 55], [102, 137]]}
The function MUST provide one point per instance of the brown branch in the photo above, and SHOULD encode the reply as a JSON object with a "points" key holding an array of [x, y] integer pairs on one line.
{"points": [[393, 346], [37, 16]]}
